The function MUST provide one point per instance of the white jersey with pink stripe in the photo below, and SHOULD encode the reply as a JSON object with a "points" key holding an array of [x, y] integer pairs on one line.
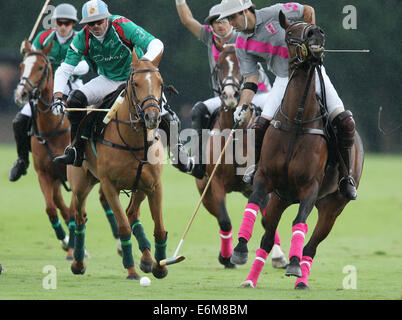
{"points": [[267, 42]]}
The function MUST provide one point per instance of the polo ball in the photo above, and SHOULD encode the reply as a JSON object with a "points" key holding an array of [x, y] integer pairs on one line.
{"points": [[145, 282]]}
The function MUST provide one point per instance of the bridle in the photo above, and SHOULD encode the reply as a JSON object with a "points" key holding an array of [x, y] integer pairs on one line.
{"points": [[36, 91], [147, 102], [227, 81], [304, 51]]}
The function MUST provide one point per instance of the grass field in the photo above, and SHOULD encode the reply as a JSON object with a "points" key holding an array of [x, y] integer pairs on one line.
{"points": [[367, 236]]}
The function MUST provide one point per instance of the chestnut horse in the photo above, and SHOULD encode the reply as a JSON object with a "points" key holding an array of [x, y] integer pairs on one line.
{"points": [[297, 162], [228, 176], [51, 135], [128, 157]]}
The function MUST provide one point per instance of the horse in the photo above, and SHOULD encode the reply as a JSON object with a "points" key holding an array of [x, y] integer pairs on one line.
{"points": [[127, 156], [228, 177], [298, 162], [51, 134]]}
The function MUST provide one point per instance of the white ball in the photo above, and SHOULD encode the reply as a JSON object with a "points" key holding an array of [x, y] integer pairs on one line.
{"points": [[145, 282]]}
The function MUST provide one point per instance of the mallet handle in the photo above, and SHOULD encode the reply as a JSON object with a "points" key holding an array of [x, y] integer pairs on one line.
{"points": [[38, 20], [86, 109]]}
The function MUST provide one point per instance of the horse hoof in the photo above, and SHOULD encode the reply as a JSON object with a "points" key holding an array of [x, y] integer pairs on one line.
{"points": [[158, 271], [133, 277], [146, 266], [77, 270], [302, 286], [64, 243], [226, 262], [247, 284], [280, 262], [293, 268], [69, 258], [240, 254]]}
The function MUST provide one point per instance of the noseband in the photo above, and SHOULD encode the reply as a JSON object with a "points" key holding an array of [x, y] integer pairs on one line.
{"points": [[35, 91], [304, 53]]}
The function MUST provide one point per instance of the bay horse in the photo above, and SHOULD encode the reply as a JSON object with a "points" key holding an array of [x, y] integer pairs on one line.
{"points": [[51, 135], [228, 176], [297, 163], [128, 156]]}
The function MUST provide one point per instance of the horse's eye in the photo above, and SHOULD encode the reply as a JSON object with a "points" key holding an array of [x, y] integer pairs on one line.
{"points": [[40, 68]]}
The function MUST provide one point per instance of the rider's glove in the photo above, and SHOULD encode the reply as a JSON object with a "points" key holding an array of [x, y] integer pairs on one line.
{"points": [[58, 106], [240, 114]]}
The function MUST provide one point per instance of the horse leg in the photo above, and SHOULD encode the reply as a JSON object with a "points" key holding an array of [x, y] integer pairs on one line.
{"points": [[307, 198], [270, 221], [215, 202], [160, 234], [112, 196], [81, 186], [133, 214], [329, 208], [110, 217], [256, 202], [69, 218], [46, 184]]}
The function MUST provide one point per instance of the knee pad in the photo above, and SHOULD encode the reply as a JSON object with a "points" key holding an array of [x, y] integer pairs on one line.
{"points": [[77, 99], [200, 116], [345, 128]]}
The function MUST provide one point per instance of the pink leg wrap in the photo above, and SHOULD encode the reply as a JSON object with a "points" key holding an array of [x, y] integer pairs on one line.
{"points": [[226, 243], [305, 265], [296, 248], [258, 264], [247, 225]]}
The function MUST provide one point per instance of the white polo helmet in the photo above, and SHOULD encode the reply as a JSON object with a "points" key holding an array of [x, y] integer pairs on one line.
{"points": [[65, 11], [94, 10], [229, 7], [214, 13]]}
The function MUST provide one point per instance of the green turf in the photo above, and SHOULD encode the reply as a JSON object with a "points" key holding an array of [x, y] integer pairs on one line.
{"points": [[367, 236]]}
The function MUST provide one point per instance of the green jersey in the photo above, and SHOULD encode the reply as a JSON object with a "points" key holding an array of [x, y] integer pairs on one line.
{"points": [[59, 51], [111, 57]]}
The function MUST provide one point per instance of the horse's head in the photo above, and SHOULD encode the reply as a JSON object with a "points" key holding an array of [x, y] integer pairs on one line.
{"points": [[305, 41], [228, 76], [145, 87], [36, 74]]}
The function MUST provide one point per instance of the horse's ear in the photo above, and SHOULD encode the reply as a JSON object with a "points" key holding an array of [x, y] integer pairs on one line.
{"points": [[28, 47], [48, 48], [135, 61], [218, 46], [157, 60], [283, 21]]}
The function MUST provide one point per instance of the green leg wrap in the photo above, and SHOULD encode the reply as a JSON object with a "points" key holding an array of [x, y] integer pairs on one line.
{"points": [[139, 234], [60, 233], [79, 246], [126, 246], [112, 220], [71, 229], [160, 249]]}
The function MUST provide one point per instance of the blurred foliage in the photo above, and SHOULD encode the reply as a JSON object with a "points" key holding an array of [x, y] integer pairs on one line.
{"points": [[364, 81]]}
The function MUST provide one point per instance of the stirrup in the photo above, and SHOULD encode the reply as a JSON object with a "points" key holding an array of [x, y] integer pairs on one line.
{"points": [[71, 156], [249, 174]]}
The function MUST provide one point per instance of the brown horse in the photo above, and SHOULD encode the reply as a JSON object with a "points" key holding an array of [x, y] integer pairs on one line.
{"points": [[228, 176], [128, 157], [51, 135], [297, 162]]}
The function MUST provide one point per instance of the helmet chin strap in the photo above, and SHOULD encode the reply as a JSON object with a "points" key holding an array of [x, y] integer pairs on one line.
{"points": [[225, 35], [245, 21]]}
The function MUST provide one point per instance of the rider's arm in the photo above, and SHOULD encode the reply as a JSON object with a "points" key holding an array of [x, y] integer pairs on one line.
{"points": [[187, 19], [247, 95], [154, 48], [81, 68], [308, 14]]}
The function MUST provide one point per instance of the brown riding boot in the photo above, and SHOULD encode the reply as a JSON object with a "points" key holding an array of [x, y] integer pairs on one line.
{"points": [[260, 125], [345, 132]]}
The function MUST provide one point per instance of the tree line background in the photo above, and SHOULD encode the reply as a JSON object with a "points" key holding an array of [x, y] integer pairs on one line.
{"points": [[364, 81]]}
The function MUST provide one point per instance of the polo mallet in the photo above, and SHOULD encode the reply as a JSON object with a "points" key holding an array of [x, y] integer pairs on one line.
{"points": [[347, 51], [38, 20], [176, 258]]}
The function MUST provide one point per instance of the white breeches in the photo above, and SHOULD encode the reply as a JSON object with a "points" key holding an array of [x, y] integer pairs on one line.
{"points": [[275, 96], [77, 84], [98, 88]]}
